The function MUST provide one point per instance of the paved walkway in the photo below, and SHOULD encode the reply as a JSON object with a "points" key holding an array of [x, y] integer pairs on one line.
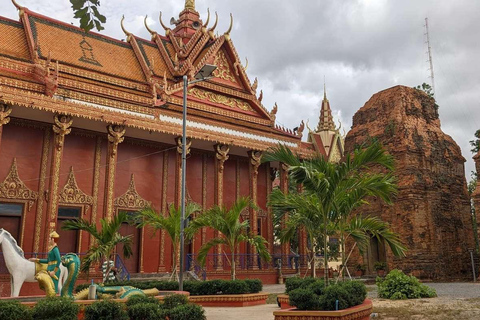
{"points": [[265, 312]]}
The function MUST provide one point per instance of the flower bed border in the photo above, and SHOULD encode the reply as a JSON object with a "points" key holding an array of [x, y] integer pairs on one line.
{"points": [[231, 300], [360, 312], [284, 301]]}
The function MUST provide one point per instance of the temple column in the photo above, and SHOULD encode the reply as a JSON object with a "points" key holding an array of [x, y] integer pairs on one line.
{"points": [[270, 180], [5, 111], [285, 249], [61, 127], [116, 135], [161, 264], [221, 155], [255, 162], [178, 193]]}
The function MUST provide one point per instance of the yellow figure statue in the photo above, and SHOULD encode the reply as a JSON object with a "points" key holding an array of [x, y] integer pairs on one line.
{"points": [[53, 265]]}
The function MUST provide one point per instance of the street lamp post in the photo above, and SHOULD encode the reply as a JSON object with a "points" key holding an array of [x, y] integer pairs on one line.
{"points": [[204, 74]]}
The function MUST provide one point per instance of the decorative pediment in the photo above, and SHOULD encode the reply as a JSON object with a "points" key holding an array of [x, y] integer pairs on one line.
{"points": [[71, 193], [14, 188], [131, 199], [223, 71]]}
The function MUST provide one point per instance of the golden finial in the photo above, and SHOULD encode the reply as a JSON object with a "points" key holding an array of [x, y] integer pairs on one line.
{"points": [[246, 64], [153, 33], [19, 7], [208, 18], [167, 30], [227, 34], [128, 34], [324, 89], [190, 4]]}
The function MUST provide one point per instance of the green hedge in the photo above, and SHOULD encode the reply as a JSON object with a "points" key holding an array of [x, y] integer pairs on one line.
{"points": [[55, 308], [397, 285], [14, 310], [174, 307], [196, 288], [105, 310], [311, 294]]}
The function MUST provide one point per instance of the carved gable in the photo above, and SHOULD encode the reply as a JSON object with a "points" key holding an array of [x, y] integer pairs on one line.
{"points": [[13, 188], [131, 199], [71, 193]]}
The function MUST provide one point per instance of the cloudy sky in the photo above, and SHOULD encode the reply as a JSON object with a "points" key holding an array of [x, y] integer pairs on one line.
{"points": [[359, 46]]}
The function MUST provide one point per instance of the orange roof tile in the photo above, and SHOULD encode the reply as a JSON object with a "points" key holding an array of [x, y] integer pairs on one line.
{"points": [[152, 56], [13, 43], [71, 45]]}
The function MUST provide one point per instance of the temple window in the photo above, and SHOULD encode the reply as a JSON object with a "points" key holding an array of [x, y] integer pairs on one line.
{"points": [[68, 238]]}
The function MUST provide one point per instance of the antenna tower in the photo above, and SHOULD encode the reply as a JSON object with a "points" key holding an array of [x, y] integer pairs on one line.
{"points": [[430, 55]]}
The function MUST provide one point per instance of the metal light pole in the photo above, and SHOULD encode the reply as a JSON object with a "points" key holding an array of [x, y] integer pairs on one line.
{"points": [[202, 75]]}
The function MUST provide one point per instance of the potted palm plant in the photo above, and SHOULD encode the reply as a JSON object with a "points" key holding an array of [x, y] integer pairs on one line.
{"points": [[380, 267], [360, 269]]}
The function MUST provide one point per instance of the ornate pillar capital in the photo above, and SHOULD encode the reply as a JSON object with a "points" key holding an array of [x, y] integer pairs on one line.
{"points": [[255, 160], [5, 111], [221, 153], [61, 126], [116, 135]]}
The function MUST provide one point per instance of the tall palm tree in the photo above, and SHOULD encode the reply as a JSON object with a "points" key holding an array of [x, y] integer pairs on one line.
{"points": [[105, 239], [171, 224], [227, 223], [332, 187]]}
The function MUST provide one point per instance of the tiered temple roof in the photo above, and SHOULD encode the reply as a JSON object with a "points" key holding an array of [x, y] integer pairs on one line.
{"points": [[53, 66]]}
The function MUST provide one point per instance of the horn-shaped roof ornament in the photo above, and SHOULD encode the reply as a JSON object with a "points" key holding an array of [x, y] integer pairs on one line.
{"points": [[153, 33], [216, 21], [128, 34], [208, 18], [227, 34], [246, 64], [19, 7], [167, 30]]}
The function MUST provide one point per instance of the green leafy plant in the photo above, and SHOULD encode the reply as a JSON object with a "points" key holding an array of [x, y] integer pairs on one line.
{"points": [[106, 239], [380, 265], [14, 310], [141, 299], [297, 282], [171, 224], [174, 300], [304, 299], [361, 267], [146, 311], [188, 311], [105, 310], [87, 12], [397, 285], [234, 231], [254, 285], [55, 308]]}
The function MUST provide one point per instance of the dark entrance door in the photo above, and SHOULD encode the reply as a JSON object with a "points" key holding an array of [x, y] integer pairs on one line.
{"points": [[132, 263]]}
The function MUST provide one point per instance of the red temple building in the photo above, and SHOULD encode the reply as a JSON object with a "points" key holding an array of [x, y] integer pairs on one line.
{"points": [[91, 125]]}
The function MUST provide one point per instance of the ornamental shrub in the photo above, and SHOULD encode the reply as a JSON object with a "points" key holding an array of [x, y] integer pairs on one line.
{"points": [[14, 310], [146, 311], [333, 294], [297, 283], [174, 300], [357, 292], [187, 311], [304, 299], [133, 300], [235, 287], [317, 286], [105, 310], [55, 308], [254, 285], [397, 285]]}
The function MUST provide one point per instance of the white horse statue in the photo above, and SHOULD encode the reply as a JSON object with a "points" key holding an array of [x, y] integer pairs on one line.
{"points": [[21, 269]]}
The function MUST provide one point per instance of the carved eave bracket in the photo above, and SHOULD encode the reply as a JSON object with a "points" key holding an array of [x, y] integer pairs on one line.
{"points": [[48, 75], [221, 153], [62, 127], [131, 199], [13, 188], [116, 135], [5, 111], [72, 194], [255, 160], [178, 140]]}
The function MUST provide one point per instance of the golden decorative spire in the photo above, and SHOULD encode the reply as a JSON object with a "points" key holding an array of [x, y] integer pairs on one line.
{"points": [[326, 119], [190, 4], [324, 89]]}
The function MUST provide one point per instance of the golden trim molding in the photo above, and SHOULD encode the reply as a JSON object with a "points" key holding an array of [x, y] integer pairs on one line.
{"points": [[116, 135], [96, 182]]}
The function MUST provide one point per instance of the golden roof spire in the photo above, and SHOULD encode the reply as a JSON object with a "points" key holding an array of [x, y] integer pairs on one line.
{"points": [[324, 89], [326, 119], [190, 4]]}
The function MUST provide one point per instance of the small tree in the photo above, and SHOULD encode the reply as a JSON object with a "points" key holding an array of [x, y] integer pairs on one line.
{"points": [[171, 224], [233, 231], [105, 239]]}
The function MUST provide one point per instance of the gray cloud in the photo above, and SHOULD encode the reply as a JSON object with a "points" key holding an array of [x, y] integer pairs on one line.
{"points": [[360, 46]]}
